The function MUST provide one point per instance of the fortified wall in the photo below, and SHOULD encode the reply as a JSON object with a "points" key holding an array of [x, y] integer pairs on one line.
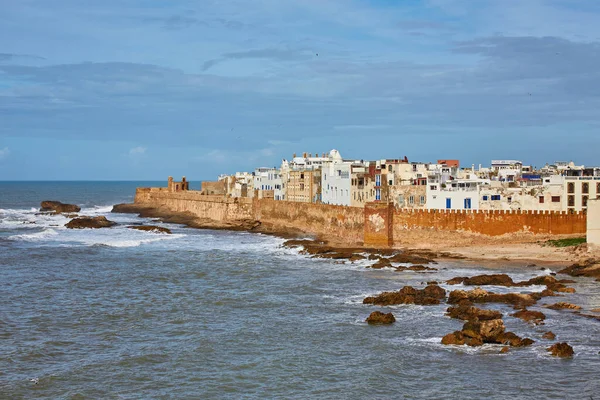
{"points": [[377, 224]]}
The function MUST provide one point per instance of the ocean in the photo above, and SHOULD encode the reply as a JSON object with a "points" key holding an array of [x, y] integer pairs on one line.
{"points": [[121, 314]]}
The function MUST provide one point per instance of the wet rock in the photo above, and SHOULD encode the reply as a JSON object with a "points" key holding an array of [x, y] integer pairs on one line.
{"points": [[513, 340], [57, 207], [549, 335], [382, 263], [467, 313], [410, 258], [587, 267], [89, 222], [456, 296], [504, 350], [150, 228], [419, 268], [356, 257], [564, 306], [566, 290], [561, 350], [485, 280], [430, 295], [486, 331], [435, 283], [535, 317], [377, 317]]}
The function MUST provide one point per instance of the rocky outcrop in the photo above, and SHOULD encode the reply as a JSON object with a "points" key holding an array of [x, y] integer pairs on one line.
{"points": [[382, 263], [589, 267], [466, 313], [151, 228], [549, 335], [430, 295], [476, 333], [478, 295], [416, 268], [377, 317], [57, 207], [561, 350], [483, 280], [563, 306], [89, 222], [534, 317]]}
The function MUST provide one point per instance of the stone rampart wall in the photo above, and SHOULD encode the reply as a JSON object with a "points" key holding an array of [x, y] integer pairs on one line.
{"points": [[377, 224]]}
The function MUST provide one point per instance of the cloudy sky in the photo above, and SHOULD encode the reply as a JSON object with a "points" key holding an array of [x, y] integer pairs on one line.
{"points": [[143, 89]]}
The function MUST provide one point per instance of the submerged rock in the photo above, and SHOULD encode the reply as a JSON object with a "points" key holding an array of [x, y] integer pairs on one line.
{"points": [[549, 335], [150, 228], [89, 222], [563, 306], [58, 207], [430, 295], [377, 317], [535, 317], [561, 350]]}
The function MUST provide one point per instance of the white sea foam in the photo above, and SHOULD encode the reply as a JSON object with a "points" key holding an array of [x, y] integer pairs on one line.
{"points": [[35, 237]]}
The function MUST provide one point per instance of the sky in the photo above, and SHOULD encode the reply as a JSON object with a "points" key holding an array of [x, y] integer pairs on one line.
{"points": [[144, 89]]}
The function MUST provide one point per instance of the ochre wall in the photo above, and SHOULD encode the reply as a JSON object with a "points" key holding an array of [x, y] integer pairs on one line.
{"points": [[492, 223], [338, 223], [378, 224]]}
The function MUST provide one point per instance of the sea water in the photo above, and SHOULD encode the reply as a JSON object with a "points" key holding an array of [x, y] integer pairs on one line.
{"points": [[122, 314]]}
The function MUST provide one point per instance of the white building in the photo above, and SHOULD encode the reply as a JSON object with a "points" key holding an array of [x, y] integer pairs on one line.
{"points": [[336, 179], [454, 194], [269, 179]]}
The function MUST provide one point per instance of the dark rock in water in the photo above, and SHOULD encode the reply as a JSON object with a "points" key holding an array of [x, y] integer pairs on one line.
{"points": [[58, 207], [504, 350], [482, 280], [382, 263], [468, 313], [89, 222], [377, 317], [479, 295], [419, 268], [430, 295], [535, 317], [561, 350], [587, 267], [513, 340], [549, 335], [563, 306], [150, 228]]}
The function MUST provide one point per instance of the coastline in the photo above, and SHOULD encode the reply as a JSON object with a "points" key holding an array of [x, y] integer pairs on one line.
{"points": [[508, 250]]}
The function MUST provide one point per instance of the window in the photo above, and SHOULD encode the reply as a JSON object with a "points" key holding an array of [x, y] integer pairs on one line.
{"points": [[377, 194], [411, 199], [390, 167], [571, 201], [377, 180], [541, 199], [486, 198], [510, 199], [584, 201], [302, 186], [597, 188], [585, 188], [556, 199], [571, 187], [467, 204], [390, 182], [433, 187], [496, 197], [448, 202], [422, 199], [301, 176]]}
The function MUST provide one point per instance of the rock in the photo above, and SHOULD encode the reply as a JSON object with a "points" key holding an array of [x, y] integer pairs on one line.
{"points": [[456, 281], [479, 295], [89, 222], [456, 338], [535, 317], [504, 350], [419, 268], [493, 279], [513, 340], [435, 283], [563, 306], [549, 335], [59, 207], [382, 263], [456, 296], [566, 290], [487, 331], [561, 350], [150, 228], [595, 310], [586, 267], [430, 295], [378, 317], [356, 257], [407, 258], [468, 313]]}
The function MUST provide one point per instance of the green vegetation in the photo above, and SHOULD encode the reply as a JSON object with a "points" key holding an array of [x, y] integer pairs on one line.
{"points": [[566, 242]]}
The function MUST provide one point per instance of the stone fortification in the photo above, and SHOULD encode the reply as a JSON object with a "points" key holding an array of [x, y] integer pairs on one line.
{"points": [[377, 224]]}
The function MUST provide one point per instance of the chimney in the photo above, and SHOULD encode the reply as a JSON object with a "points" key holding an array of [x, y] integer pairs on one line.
{"points": [[294, 156], [304, 155]]}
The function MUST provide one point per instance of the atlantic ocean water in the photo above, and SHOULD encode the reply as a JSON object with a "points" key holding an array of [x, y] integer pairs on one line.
{"points": [[122, 314]]}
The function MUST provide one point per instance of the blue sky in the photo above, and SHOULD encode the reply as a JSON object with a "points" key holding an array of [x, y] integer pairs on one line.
{"points": [[143, 89]]}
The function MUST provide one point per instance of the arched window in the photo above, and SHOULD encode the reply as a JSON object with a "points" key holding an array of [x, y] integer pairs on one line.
{"points": [[585, 187], [571, 187]]}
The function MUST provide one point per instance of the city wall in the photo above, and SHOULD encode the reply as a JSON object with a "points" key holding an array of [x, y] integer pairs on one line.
{"points": [[377, 224]]}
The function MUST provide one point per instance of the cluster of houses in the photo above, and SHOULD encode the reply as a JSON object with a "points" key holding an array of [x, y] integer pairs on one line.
{"points": [[331, 179]]}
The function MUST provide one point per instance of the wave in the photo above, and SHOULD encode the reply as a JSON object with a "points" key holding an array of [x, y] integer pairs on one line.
{"points": [[34, 237]]}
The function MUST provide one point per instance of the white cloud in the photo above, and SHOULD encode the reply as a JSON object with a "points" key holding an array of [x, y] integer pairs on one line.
{"points": [[4, 153], [137, 151]]}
